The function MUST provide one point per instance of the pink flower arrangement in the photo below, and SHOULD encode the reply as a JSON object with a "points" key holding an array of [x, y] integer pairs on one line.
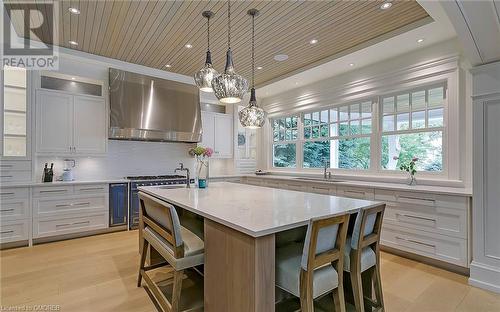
{"points": [[208, 152]]}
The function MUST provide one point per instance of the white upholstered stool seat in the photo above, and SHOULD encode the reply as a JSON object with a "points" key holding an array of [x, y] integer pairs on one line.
{"points": [[368, 257], [288, 267]]}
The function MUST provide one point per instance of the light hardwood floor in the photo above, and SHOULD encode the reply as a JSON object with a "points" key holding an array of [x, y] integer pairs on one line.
{"points": [[99, 273]]}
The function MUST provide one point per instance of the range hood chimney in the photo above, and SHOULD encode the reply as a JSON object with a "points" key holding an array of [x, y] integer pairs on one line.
{"points": [[145, 108]]}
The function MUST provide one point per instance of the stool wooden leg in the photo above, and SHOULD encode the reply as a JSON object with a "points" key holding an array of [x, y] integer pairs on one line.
{"points": [[176, 291], [306, 292], [338, 298], [357, 285], [142, 261], [378, 287]]}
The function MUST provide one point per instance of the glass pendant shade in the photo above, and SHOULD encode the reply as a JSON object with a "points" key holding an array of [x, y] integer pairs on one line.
{"points": [[229, 87], [204, 76], [252, 116]]}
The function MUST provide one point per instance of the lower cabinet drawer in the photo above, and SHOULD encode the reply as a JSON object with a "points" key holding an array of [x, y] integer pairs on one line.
{"points": [[319, 189], [91, 188], [68, 225], [14, 231], [448, 249], [252, 181], [57, 205], [293, 186], [437, 220], [14, 209], [355, 192], [7, 176]]}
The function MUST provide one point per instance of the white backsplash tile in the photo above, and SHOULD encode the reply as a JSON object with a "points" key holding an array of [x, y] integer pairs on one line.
{"points": [[125, 158]]}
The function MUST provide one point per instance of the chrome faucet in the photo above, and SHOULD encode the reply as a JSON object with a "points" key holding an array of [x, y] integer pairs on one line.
{"points": [[181, 168], [326, 175]]}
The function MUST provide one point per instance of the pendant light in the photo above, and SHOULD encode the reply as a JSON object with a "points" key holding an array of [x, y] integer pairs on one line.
{"points": [[229, 87], [252, 116], [204, 76]]}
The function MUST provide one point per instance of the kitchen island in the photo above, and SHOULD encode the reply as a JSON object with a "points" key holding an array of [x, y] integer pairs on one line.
{"points": [[239, 233]]}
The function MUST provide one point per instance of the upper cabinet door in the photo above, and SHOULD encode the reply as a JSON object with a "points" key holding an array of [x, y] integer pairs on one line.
{"points": [[15, 114], [208, 126], [89, 125], [223, 136], [54, 122]]}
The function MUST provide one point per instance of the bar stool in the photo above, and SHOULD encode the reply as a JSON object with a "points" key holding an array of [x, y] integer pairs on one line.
{"points": [[362, 253], [159, 227], [314, 268]]}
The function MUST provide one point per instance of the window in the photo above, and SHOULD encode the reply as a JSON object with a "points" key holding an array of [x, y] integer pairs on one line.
{"points": [[412, 126], [340, 135], [285, 135], [364, 136]]}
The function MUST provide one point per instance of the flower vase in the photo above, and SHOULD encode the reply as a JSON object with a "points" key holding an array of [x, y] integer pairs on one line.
{"points": [[411, 180], [202, 169]]}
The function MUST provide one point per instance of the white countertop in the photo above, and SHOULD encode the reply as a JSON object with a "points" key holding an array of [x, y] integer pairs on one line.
{"points": [[60, 183], [256, 210], [445, 190]]}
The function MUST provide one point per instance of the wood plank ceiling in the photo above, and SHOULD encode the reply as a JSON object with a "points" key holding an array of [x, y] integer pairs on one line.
{"points": [[154, 33]]}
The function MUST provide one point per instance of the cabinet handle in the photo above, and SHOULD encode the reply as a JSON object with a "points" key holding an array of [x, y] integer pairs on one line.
{"points": [[416, 217], [430, 201], [54, 191], [82, 222], [81, 204], [6, 176], [61, 205], [355, 192], [92, 189], [7, 194], [416, 242], [6, 210], [64, 224], [6, 166], [7, 232]]}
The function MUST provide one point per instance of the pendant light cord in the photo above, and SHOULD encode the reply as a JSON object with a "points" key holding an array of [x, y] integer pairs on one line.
{"points": [[208, 33], [229, 24], [253, 51]]}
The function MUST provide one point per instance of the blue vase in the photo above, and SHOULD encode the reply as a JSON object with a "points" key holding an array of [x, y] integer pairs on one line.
{"points": [[202, 183]]}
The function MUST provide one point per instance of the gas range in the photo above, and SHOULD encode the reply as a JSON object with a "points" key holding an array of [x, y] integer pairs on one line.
{"points": [[152, 180]]}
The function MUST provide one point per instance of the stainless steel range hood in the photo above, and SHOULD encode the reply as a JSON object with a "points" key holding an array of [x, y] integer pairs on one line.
{"points": [[145, 108]]}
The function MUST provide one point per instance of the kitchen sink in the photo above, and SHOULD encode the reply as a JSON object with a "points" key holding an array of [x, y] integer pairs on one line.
{"points": [[318, 179]]}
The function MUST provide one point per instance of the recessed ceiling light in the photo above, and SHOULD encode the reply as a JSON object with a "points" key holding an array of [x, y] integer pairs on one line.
{"points": [[420, 40], [73, 42], [74, 10], [351, 64], [168, 66], [280, 57], [73, 78], [259, 67], [385, 5], [188, 46], [314, 41]]}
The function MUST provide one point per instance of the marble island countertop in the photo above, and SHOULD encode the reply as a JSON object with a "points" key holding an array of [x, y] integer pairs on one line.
{"points": [[255, 210]]}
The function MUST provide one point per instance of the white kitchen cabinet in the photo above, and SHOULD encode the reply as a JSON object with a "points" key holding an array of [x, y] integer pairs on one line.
{"points": [[15, 214], [69, 209], [54, 125], [89, 137], [70, 124], [218, 134], [15, 114]]}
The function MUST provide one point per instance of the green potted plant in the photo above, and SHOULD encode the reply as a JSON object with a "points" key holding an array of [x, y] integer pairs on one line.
{"points": [[411, 169]]}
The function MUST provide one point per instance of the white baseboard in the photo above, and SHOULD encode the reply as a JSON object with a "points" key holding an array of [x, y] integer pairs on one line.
{"points": [[485, 277]]}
